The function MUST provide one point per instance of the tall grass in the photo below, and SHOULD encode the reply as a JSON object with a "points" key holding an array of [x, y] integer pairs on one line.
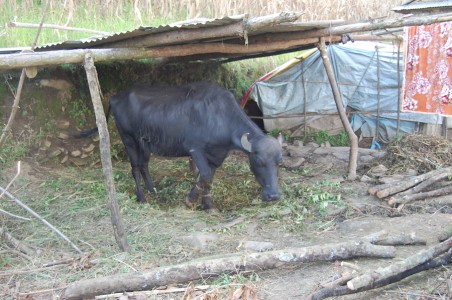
{"points": [[121, 15]]}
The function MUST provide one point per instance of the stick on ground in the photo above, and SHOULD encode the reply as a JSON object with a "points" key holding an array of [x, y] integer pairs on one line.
{"points": [[215, 266]]}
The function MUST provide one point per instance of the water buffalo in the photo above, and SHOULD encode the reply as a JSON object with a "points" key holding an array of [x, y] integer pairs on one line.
{"points": [[201, 120]]}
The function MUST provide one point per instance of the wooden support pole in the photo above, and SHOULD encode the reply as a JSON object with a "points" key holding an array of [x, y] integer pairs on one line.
{"points": [[353, 158], [104, 145]]}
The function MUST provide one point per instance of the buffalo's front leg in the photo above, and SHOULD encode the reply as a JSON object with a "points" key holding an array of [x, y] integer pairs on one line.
{"points": [[193, 196], [203, 182]]}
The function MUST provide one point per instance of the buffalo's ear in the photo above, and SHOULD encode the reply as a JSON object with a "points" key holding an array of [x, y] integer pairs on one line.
{"points": [[245, 143]]}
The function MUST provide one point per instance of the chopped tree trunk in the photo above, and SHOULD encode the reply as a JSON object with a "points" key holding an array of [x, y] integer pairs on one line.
{"points": [[410, 188], [340, 290], [353, 157], [420, 196], [213, 267], [421, 257], [104, 144], [382, 238]]}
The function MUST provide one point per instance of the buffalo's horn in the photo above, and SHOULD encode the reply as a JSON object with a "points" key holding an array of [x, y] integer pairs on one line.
{"points": [[245, 143]]}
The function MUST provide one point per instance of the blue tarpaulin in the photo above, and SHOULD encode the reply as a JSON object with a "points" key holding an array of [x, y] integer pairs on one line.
{"points": [[367, 80]]}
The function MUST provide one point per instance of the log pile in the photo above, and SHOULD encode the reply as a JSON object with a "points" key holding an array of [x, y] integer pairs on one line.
{"points": [[431, 184], [427, 155]]}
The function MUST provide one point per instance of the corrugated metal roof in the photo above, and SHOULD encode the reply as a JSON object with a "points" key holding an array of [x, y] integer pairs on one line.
{"points": [[97, 41], [143, 36], [423, 6]]}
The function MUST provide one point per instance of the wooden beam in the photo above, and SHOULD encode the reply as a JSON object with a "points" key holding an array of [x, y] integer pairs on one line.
{"points": [[58, 57], [176, 36], [104, 145], [353, 158], [353, 28]]}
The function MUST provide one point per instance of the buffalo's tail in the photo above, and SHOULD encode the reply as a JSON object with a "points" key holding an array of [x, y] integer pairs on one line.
{"points": [[90, 132]]}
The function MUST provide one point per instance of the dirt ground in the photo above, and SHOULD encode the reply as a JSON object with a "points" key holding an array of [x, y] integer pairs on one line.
{"points": [[318, 207]]}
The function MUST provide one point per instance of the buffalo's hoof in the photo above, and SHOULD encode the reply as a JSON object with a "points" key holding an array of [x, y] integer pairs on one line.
{"points": [[212, 211], [189, 204]]}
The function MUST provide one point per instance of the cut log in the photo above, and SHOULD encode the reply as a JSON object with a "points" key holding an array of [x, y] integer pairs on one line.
{"points": [[340, 290], [421, 257], [382, 238], [420, 196], [388, 189], [213, 267]]}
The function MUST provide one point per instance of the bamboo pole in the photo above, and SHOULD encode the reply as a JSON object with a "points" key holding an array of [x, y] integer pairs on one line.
{"points": [[53, 26], [104, 144], [353, 158]]}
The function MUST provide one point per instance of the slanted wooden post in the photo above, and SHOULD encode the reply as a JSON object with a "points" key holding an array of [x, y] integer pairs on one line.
{"points": [[353, 157], [105, 156]]}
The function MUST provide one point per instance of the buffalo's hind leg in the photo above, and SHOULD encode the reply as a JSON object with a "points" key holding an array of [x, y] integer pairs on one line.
{"points": [[144, 170], [134, 153]]}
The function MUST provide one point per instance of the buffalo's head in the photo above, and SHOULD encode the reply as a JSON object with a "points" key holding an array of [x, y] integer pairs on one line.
{"points": [[265, 157]]}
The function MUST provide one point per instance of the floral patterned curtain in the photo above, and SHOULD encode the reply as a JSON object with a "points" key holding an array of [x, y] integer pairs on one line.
{"points": [[428, 69]]}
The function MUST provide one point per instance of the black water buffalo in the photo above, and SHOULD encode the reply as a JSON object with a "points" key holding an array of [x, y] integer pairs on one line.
{"points": [[201, 120]]}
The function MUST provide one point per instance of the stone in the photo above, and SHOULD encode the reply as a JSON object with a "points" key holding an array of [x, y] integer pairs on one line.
{"points": [[54, 153], [63, 136], [293, 163], [76, 153], [297, 143], [199, 240], [312, 144], [377, 171], [255, 246], [366, 178], [325, 144], [89, 148], [63, 124]]}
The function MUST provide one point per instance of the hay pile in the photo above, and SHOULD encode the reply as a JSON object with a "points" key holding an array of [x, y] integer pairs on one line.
{"points": [[419, 152]]}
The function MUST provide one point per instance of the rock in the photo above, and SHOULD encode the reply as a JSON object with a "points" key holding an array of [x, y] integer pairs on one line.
{"points": [[334, 210], [64, 160], [366, 178], [199, 240], [295, 151], [63, 124], [325, 144], [79, 162], [255, 246], [312, 144], [58, 84], [377, 171], [63, 136], [90, 148], [366, 158], [297, 143], [293, 163], [54, 153], [411, 172], [76, 153]]}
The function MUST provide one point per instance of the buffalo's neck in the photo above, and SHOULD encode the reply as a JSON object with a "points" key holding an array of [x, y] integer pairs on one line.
{"points": [[254, 134]]}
